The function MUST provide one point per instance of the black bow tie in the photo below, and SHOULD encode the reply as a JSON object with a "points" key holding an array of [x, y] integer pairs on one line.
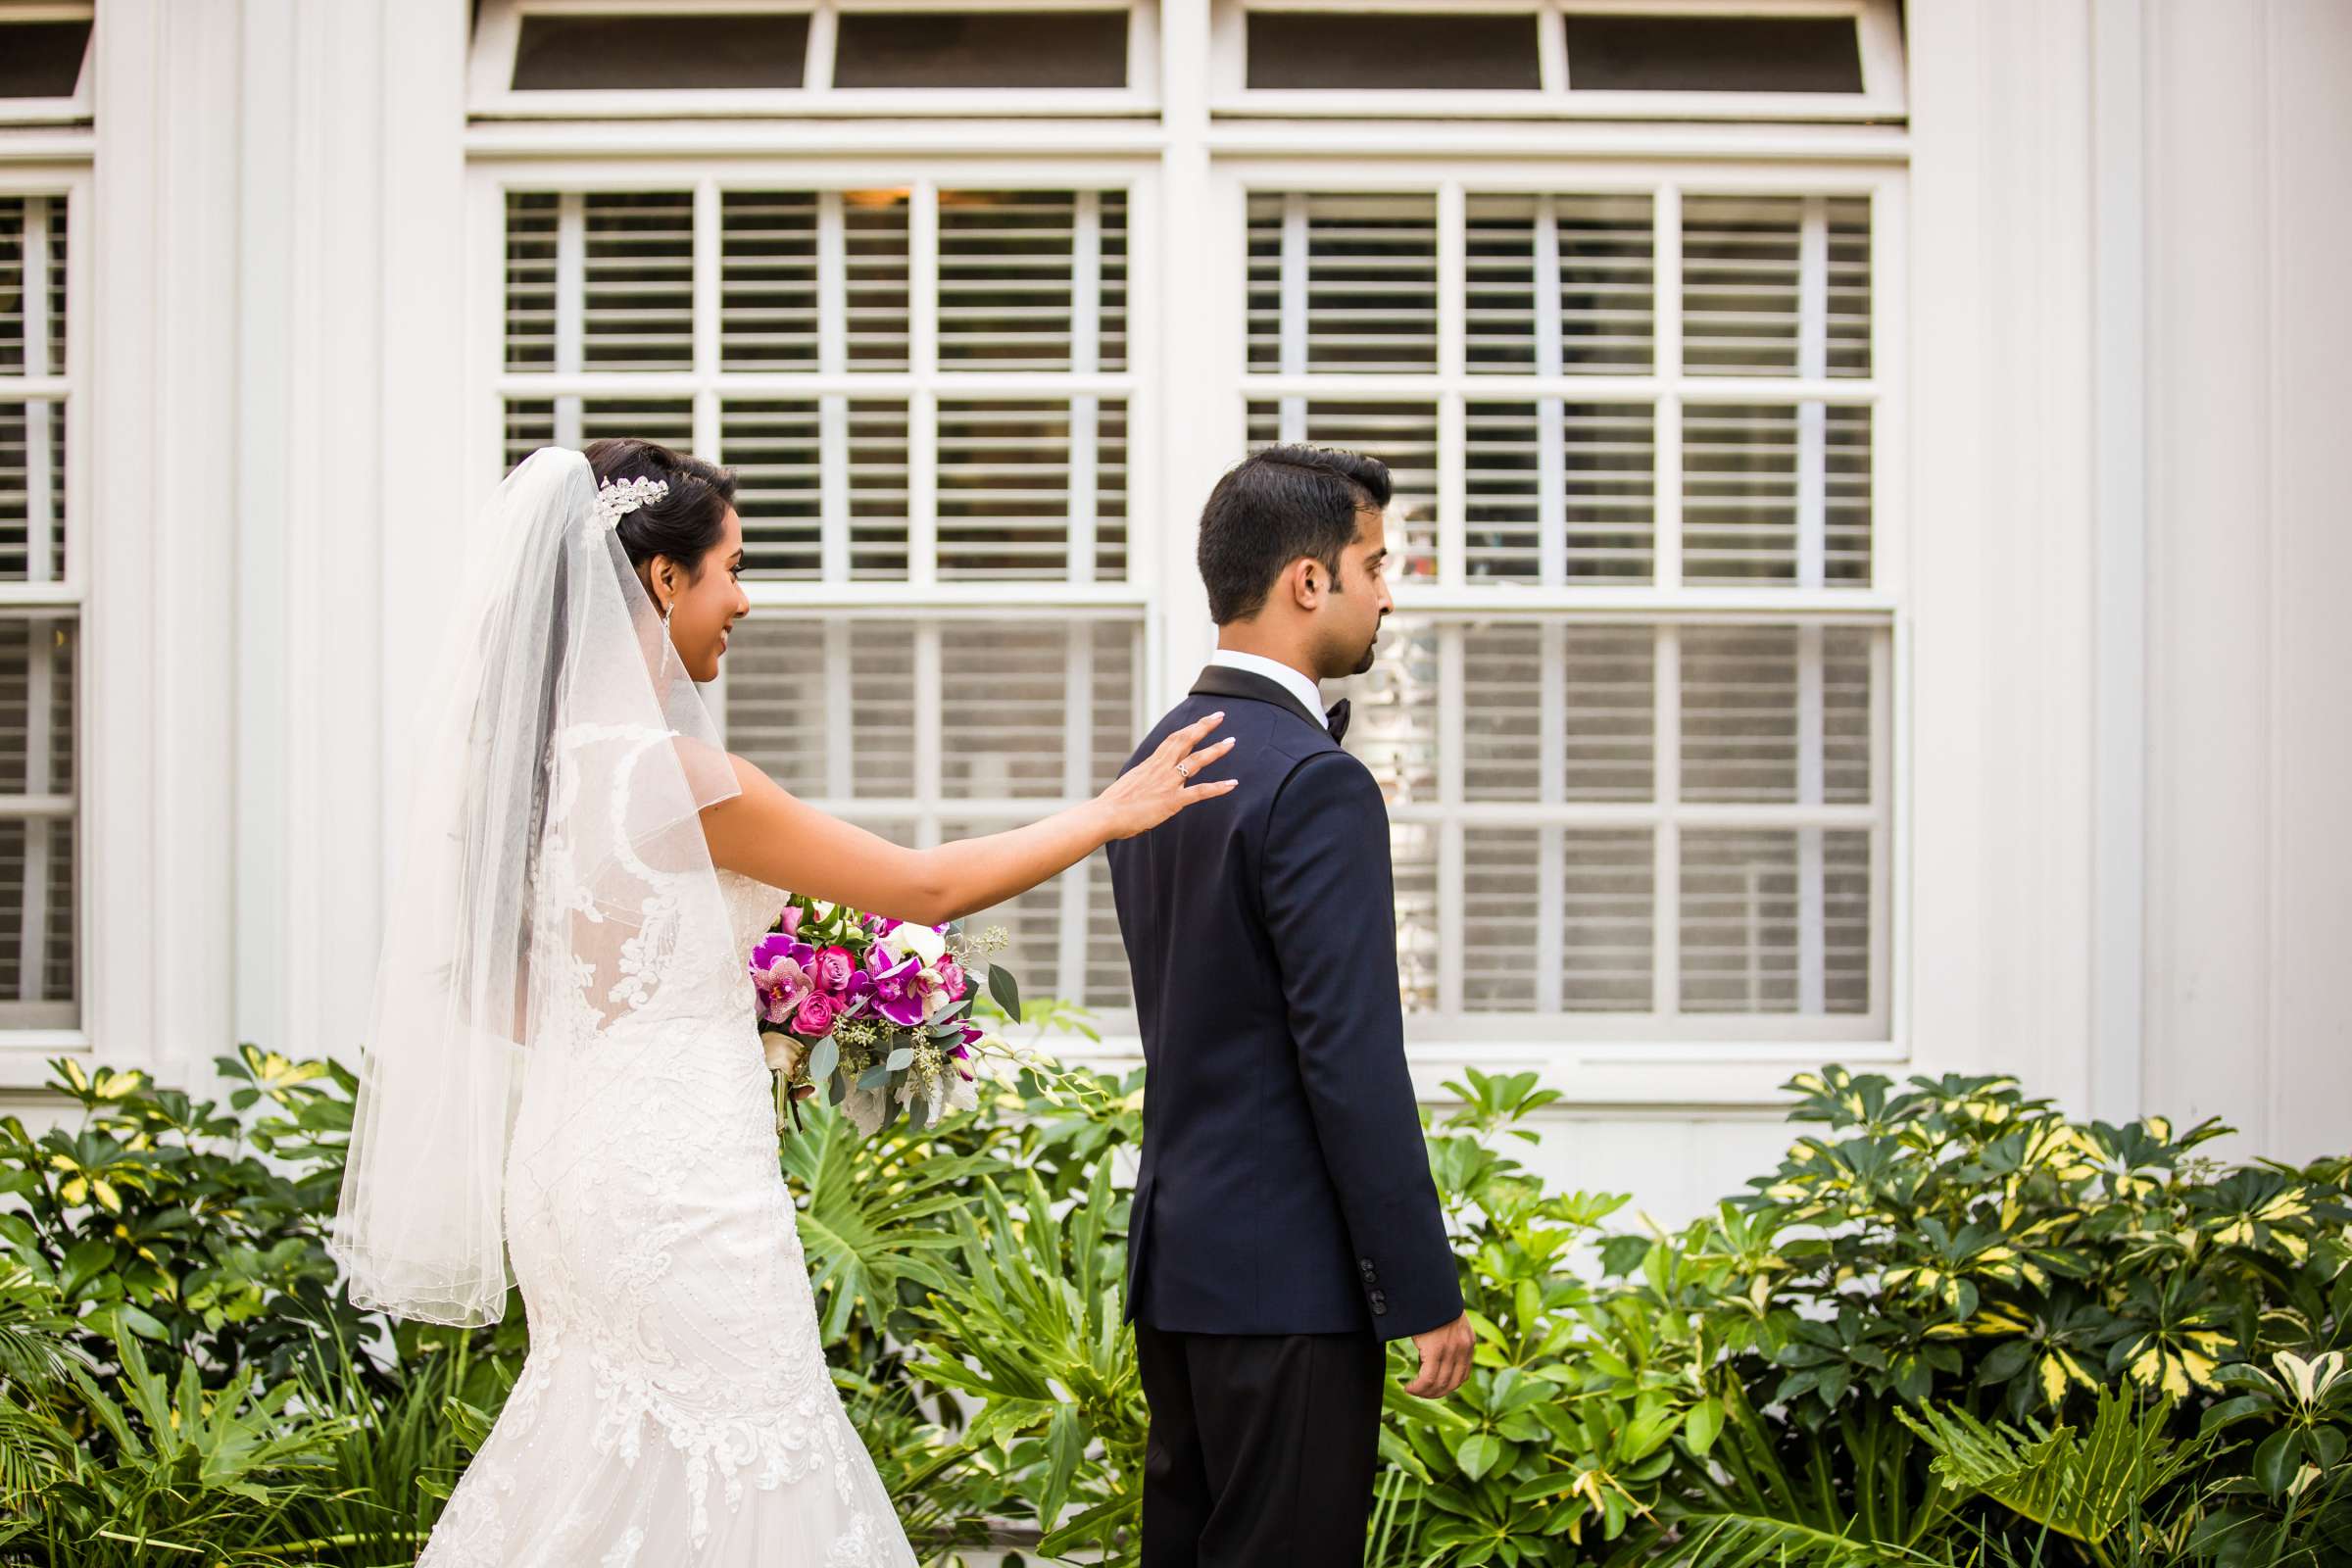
{"points": [[1337, 720]]}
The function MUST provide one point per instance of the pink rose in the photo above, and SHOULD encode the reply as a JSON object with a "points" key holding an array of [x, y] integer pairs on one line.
{"points": [[831, 971], [951, 976], [790, 919], [816, 1016]]}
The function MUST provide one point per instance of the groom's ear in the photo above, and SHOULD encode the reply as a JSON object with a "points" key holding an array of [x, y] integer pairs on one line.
{"points": [[1308, 581]]}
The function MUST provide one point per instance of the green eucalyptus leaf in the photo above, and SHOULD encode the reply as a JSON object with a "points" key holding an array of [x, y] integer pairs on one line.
{"points": [[824, 1058], [1005, 991]]}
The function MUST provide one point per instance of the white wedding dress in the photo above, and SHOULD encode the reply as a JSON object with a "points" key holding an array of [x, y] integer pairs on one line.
{"points": [[675, 1407]]}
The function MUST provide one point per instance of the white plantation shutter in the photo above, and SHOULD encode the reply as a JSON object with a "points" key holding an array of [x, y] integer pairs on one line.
{"points": [[775, 446], [852, 354], [637, 281], [1029, 714], [40, 633], [1655, 823], [769, 296]]}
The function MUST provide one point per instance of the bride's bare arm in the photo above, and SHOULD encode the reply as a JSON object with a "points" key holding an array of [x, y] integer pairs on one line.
{"points": [[767, 834]]}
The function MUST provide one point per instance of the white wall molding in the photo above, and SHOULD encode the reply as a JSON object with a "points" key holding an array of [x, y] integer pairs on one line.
{"points": [[157, 544], [2001, 546], [2118, 128]]}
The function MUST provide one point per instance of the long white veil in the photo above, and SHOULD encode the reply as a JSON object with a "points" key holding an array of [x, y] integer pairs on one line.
{"points": [[562, 757]]}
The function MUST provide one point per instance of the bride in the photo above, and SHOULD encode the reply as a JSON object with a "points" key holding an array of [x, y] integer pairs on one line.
{"points": [[563, 1066]]}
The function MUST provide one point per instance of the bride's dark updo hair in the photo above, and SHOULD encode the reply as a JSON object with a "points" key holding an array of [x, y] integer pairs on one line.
{"points": [[684, 524]]}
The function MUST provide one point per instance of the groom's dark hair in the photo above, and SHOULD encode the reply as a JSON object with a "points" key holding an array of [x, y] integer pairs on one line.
{"points": [[1272, 507]]}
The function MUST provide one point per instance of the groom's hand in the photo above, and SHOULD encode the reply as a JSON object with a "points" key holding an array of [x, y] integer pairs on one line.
{"points": [[1444, 1358]]}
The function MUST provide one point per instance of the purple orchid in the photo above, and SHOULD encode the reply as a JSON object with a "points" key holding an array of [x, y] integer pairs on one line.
{"points": [[897, 987]]}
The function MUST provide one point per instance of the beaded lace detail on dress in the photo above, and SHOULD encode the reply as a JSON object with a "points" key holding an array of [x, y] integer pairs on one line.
{"points": [[675, 1407]]}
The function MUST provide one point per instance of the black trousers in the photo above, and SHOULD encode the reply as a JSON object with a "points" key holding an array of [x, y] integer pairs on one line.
{"points": [[1261, 1447]]}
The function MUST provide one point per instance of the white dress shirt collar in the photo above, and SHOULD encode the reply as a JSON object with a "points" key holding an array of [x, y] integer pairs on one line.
{"points": [[1293, 681]]}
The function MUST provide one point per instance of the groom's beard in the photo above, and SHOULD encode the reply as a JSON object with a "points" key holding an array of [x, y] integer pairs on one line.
{"points": [[1371, 653]]}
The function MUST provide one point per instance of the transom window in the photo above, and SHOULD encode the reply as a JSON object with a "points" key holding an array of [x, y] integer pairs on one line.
{"points": [[1632, 713], [616, 59], [44, 60], [1620, 59]]}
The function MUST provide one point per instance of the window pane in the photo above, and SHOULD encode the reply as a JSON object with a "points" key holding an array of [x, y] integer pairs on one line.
{"points": [[1601, 248], [768, 279], [1846, 494], [1775, 921], [639, 283], [32, 252], [1502, 884], [1776, 714], [772, 447], [532, 237], [32, 494], [1748, 514], [981, 49], [41, 59], [1776, 286], [1713, 54], [1605, 460], [1368, 271], [1008, 267], [38, 886], [1006, 487], [1608, 924], [1374, 50], [874, 228], [1739, 488], [877, 483], [1550, 712], [671, 51]]}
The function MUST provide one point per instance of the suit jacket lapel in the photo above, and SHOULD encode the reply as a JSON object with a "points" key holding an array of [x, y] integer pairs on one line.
{"points": [[1223, 680]]}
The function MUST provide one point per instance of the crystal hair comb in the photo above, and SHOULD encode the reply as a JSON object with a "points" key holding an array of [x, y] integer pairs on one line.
{"points": [[616, 500]]}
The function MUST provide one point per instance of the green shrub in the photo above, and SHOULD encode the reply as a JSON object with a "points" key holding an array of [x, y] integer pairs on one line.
{"points": [[1954, 1326]]}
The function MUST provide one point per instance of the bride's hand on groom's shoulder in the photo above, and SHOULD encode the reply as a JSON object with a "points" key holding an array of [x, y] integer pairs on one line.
{"points": [[1445, 1354], [1161, 784]]}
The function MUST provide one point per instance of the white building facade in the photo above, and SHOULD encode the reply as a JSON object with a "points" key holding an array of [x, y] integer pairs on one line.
{"points": [[1867, 537]]}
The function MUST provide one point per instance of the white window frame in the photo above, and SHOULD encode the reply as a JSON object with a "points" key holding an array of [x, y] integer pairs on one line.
{"points": [[22, 1048], [1882, 95], [491, 73], [1187, 407], [1132, 599], [75, 107], [1450, 1036]]}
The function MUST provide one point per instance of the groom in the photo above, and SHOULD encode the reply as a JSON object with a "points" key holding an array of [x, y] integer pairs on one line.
{"points": [[1284, 1225]]}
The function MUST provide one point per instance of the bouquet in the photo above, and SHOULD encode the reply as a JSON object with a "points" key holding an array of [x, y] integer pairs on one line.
{"points": [[878, 1013]]}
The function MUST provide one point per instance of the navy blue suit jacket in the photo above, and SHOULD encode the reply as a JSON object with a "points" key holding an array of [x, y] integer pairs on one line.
{"points": [[1285, 1187]]}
